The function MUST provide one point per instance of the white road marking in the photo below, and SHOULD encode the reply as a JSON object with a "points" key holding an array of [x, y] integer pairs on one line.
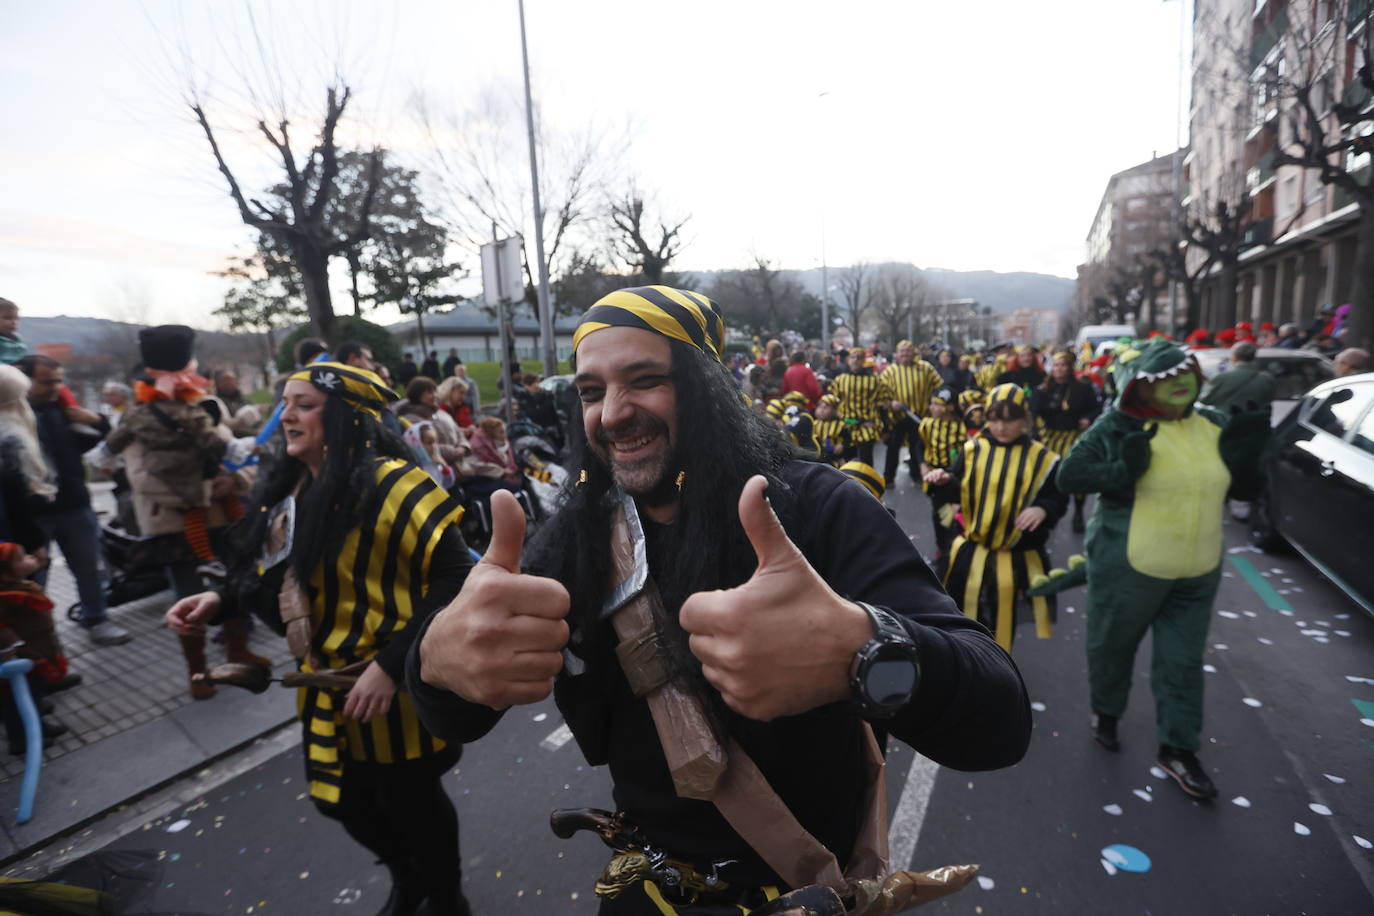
{"points": [[905, 830], [557, 738]]}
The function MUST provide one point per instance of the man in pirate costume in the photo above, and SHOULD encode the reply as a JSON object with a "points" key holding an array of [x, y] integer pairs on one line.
{"points": [[938, 443], [864, 399], [350, 546], [1163, 471], [1010, 504], [910, 380], [831, 432], [1064, 406], [747, 631]]}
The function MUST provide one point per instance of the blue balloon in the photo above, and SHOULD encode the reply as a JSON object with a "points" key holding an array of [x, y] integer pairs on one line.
{"points": [[1126, 858]]}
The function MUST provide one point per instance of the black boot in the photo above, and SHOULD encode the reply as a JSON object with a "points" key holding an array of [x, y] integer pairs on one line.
{"points": [[407, 891], [1104, 731], [1187, 771]]}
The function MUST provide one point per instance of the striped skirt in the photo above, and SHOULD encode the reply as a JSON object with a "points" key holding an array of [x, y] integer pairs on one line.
{"points": [[1059, 441], [985, 584]]}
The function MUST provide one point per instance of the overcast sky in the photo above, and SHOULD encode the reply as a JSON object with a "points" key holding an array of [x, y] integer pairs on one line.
{"points": [[948, 134]]}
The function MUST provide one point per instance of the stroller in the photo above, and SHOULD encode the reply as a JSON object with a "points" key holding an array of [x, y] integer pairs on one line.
{"points": [[137, 565]]}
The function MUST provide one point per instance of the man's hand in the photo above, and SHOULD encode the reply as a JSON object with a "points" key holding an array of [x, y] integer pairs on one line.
{"points": [[936, 477], [782, 642], [500, 642], [1030, 518], [898, 406], [1135, 451]]}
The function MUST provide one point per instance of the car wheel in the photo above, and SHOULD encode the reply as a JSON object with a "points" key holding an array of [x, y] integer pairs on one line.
{"points": [[1263, 534]]}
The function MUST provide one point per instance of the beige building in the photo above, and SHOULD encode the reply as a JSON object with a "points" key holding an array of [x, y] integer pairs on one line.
{"points": [[1033, 326], [1134, 217], [1298, 241]]}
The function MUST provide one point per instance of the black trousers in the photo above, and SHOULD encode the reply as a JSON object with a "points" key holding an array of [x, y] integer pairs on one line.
{"points": [[864, 452], [904, 433], [401, 813]]}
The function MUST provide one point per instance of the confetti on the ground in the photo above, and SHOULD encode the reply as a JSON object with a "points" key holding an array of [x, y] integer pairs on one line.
{"points": [[1038, 706], [541, 717], [1068, 610], [1108, 867], [1229, 615], [557, 738], [1336, 779], [1301, 829], [1362, 842], [1209, 669], [1321, 639], [1112, 809], [1342, 616], [1142, 795], [1250, 614], [1126, 858], [1369, 722], [1313, 632], [1265, 641], [1341, 632], [1158, 773], [1320, 809], [986, 883], [1355, 679], [1220, 646], [1240, 801], [1251, 701], [178, 826]]}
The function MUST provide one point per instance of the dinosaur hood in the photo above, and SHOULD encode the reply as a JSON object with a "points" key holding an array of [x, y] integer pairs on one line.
{"points": [[1148, 361]]}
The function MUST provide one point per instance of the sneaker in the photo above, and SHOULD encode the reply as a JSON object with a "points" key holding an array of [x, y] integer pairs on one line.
{"points": [[1184, 767], [1104, 731], [108, 633]]}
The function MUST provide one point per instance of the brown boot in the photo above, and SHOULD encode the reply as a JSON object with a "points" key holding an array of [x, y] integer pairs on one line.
{"points": [[236, 644], [193, 648]]}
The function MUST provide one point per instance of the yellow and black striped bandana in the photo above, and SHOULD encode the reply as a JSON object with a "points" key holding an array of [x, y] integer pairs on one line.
{"points": [[866, 475], [678, 314], [358, 388], [1007, 391]]}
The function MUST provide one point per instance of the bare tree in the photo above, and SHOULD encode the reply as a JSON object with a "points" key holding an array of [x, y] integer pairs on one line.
{"points": [[901, 295], [765, 299], [856, 293], [301, 220], [644, 243]]}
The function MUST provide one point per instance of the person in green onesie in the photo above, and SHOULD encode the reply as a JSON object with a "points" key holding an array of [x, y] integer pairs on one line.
{"points": [[1163, 470]]}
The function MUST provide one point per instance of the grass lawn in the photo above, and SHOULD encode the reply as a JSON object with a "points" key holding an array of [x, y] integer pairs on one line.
{"points": [[485, 375]]}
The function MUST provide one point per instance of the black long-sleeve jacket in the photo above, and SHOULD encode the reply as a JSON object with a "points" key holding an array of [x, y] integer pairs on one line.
{"points": [[970, 711]]}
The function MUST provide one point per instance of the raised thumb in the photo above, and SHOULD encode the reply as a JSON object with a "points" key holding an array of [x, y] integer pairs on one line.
{"points": [[761, 525], [507, 532]]}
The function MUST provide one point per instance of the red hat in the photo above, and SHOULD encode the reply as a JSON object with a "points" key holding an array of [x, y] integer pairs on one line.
{"points": [[1198, 334], [1268, 326], [1244, 326], [1227, 335], [9, 552]]}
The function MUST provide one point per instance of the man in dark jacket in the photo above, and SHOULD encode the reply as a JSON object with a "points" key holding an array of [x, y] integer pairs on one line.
{"points": [[1240, 384], [69, 519], [770, 623]]}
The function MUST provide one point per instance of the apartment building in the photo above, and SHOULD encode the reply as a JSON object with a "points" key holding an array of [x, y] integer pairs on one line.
{"points": [[1297, 235], [1134, 217]]}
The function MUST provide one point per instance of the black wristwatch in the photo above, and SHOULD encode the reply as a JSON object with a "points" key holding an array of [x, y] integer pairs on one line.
{"points": [[885, 672]]}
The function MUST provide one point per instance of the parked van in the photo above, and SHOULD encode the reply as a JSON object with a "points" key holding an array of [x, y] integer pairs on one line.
{"points": [[1101, 333]]}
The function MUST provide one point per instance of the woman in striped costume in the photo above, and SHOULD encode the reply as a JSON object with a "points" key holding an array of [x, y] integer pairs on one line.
{"points": [[863, 400], [1065, 406], [1010, 504], [349, 548]]}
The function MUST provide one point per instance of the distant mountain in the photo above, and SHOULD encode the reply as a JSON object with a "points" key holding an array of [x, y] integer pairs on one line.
{"points": [[1006, 292]]}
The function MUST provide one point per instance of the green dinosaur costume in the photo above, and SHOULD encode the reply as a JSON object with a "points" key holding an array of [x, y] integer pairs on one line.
{"points": [[1163, 471]]}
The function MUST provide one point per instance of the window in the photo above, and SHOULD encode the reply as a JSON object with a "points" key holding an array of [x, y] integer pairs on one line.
{"points": [[1341, 408], [1364, 433], [1294, 377]]}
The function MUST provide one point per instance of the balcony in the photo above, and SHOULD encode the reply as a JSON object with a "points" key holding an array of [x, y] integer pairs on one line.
{"points": [[1260, 232], [1265, 41], [1261, 172]]}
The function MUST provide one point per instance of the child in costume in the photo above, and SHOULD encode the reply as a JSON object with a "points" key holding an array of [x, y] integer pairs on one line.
{"points": [[1163, 471], [830, 431], [971, 408], [939, 439], [1064, 406], [1010, 504], [26, 617], [789, 412]]}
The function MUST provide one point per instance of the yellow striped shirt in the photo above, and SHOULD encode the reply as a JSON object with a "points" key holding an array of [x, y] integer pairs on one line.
{"points": [[912, 385], [998, 482]]}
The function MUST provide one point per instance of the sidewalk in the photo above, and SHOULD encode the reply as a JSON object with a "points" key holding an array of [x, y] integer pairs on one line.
{"points": [[133, 723]]}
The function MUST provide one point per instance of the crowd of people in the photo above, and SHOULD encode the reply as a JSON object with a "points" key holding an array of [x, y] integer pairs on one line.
{"points": [[340, 517]]}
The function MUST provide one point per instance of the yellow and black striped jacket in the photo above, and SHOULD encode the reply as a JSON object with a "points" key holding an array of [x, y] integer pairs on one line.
{"points": [[997, 483], [829, 435], [941, 441], [861, 397], [360, 601], [912, 385]]}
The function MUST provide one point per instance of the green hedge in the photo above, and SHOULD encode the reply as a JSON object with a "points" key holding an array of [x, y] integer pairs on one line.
{"points": [[485, 375]]}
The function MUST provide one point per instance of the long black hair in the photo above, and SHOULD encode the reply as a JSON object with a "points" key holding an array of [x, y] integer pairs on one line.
{"points": [[330, 506], [721, 443]]}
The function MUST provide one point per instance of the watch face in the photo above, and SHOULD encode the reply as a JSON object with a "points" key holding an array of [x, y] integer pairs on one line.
{"points": [[890, 681]]}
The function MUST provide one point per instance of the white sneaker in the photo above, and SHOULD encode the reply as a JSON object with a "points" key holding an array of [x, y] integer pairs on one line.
{"points": [[108, 633]]}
